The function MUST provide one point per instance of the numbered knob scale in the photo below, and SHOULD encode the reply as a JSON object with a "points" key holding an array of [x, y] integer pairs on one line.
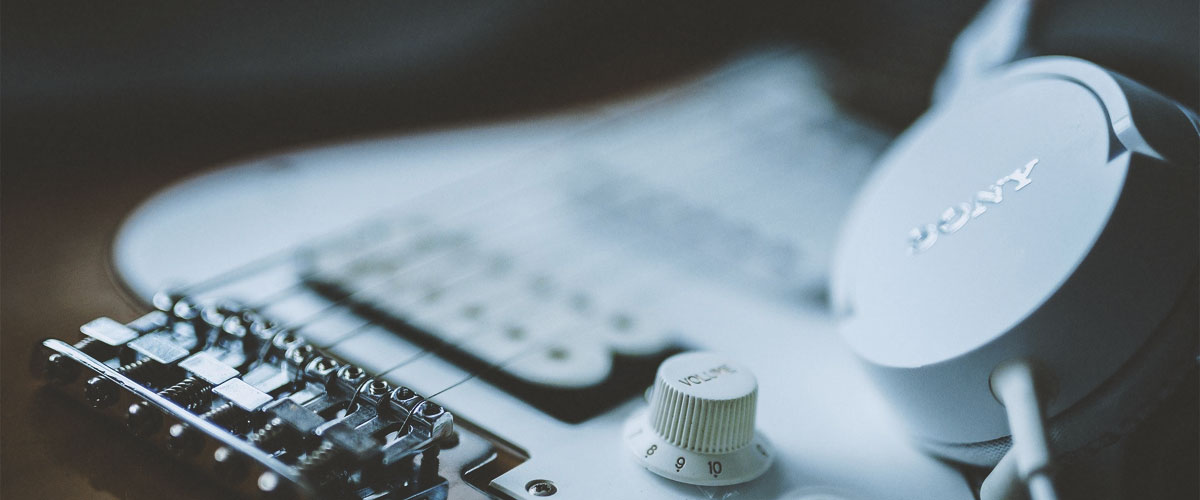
{"points": [[699, 428]]}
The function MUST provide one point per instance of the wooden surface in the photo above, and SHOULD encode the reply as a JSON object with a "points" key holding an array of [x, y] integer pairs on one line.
{"points": [[56, 234]]}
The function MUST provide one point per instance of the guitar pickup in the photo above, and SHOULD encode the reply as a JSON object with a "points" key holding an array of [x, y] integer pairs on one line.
{"points": [[568, 352]]}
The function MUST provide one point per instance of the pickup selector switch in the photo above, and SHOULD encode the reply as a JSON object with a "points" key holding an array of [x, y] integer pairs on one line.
{"points": [[699, 428]]}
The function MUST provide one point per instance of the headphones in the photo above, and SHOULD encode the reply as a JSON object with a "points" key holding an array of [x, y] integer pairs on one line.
{"points": [[1042, 212]]}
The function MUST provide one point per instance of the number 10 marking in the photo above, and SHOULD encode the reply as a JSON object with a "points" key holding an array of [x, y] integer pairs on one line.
{"points": [[714, 468]]}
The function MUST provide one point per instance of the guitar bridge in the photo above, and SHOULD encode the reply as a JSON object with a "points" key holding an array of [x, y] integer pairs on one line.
{"points": [[255, 406]]}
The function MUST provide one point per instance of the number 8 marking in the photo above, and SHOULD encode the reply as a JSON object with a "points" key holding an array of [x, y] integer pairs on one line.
{"points": [[650, 451]]}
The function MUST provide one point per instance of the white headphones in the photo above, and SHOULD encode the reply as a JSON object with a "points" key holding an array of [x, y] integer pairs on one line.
{"points": [[1044, 214]]}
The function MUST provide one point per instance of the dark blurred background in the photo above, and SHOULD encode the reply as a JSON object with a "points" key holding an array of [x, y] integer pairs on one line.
{"points": [[104, 103]]}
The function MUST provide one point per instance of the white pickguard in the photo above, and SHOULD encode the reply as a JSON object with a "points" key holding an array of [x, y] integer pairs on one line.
{"points": [[755, 146]]}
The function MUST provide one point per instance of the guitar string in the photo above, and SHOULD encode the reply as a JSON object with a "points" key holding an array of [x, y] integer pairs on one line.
{"points": [[300, 284], [632, 111], [545, 342], [491, 367], [540, 346], [483, 331], [425, 263], [297, 287], [428, 260], [693, 171], [452, 343], [255, 266], [541, 343], [696, 87], [443, 284], [500, 309], [560, 248], [445, 220], [459, 341]]}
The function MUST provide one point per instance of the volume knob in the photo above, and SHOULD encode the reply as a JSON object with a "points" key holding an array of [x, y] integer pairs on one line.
{"points": [[699, 428]]}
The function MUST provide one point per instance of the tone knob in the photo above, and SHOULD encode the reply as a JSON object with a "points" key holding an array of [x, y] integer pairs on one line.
{"points": [[699, 428]]}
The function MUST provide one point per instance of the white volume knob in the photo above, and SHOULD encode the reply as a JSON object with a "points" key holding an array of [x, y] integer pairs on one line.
{"points": [[699, 428]]}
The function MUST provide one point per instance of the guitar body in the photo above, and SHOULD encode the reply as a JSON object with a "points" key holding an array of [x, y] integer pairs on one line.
{"points": [[606, 238]]}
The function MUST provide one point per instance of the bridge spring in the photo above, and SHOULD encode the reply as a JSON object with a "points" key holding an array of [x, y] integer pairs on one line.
{"points": [[318, 463], [95, 348], [269, 437], [144, 370], [228, 415], [101, 392], [429, 465], [189, 393]]}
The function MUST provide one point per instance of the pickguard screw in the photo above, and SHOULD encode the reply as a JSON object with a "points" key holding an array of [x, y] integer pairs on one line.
{"points": [[541, 488]]}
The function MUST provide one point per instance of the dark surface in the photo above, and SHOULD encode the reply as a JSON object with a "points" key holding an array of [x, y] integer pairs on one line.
{"points": [[105, 104]]}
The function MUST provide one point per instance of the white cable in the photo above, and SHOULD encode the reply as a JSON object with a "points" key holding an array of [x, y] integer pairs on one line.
{"points": [[1015, 386], [1003, 483]]}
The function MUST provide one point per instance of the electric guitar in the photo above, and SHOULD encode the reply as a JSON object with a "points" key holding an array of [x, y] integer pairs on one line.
{"points": [[529, 278]]}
